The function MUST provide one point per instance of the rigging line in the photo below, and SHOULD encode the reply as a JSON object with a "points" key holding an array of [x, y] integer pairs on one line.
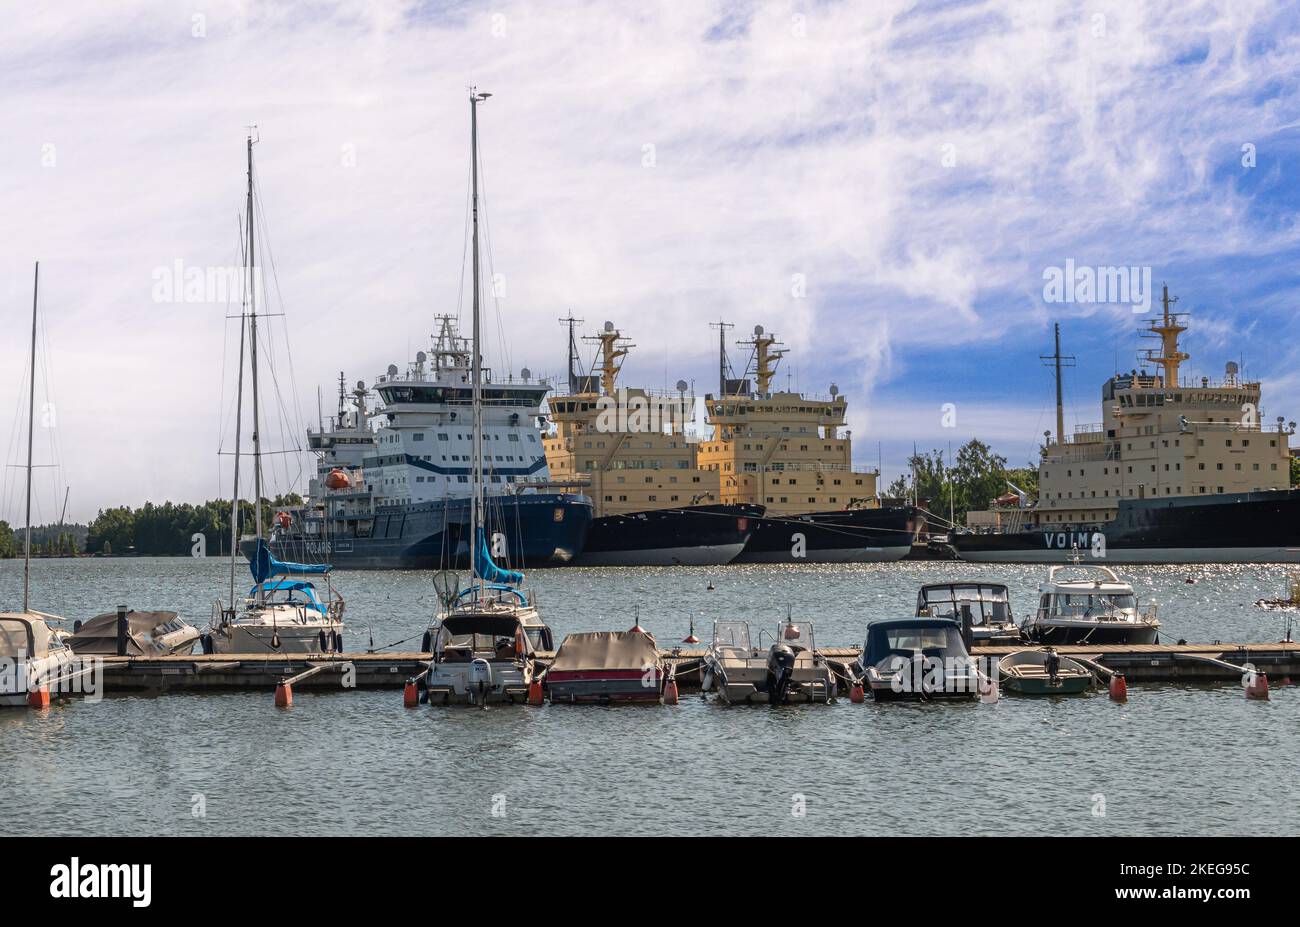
{"points": [[464, 250], [491, 265]]}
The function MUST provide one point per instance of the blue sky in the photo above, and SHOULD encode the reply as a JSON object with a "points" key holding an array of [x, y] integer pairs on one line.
{"points": [[882, 184]]}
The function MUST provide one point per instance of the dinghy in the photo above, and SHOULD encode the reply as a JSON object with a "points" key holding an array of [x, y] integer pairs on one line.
{"points": [[1043, 672]]}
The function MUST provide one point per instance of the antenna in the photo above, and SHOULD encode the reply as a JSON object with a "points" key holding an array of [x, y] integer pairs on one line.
{"points": [[722, 327], [1058, 361], [574, 361]]}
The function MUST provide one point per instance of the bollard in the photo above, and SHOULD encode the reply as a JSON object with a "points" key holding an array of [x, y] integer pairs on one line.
{"points": [[122, 625]]}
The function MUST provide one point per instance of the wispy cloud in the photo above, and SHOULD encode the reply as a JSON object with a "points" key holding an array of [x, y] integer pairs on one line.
{"points": [[881, 183]]}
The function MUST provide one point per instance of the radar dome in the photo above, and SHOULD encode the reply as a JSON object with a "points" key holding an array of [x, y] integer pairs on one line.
{"points": [[525, 373], [835, 390], [609, 326], [758, 331], [392, 370], [681, 386], [421, 357]]}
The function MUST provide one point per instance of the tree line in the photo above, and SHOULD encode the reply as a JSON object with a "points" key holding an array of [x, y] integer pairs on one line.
{"points": [[166, 530], [969, 482]]}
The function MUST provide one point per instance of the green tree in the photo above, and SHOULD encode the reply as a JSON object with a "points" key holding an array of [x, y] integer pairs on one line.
{"points": [[8, 545]]}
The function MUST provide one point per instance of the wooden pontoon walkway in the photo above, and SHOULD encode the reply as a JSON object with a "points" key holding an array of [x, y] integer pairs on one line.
{"points": [[205, 672]]}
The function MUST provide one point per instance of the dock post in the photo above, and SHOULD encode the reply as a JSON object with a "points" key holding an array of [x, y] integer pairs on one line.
{"points": [[121, 630]]}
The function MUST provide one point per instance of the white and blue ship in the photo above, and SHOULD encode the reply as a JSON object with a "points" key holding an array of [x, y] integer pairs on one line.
{"points": [[393, 486]]}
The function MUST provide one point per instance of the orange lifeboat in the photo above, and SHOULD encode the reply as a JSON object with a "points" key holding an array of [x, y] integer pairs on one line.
{"points": [[337, 479], [284, 519]]}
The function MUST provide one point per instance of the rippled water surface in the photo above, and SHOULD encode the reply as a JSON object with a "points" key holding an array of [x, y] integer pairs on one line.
{"points": [[1173, 760]]}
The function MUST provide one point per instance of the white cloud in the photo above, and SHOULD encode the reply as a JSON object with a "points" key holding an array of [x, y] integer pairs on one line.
{"points": [[782, 147]]}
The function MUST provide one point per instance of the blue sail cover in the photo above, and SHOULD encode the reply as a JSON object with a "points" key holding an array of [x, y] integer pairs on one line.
{"points": [[263, 566], [488, 571]]}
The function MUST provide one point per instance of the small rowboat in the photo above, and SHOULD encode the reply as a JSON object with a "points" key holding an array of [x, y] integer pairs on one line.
{"points": [[1043, 672]]}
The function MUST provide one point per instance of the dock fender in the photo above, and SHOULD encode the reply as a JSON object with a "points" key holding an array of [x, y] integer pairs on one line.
{"points": [[205, 641], [426, 643]]}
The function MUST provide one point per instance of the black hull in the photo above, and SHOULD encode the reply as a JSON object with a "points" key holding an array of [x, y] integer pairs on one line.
{"points": [[1253, 527], [542, 529], [698, 535], [850, 536]]}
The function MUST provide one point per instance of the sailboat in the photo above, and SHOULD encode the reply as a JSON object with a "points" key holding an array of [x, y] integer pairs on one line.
{"points": [[484, 640], [282, 613], [33, 656]]}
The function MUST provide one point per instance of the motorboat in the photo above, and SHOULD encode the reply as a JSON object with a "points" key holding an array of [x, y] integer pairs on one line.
{"points": [[917, 658], [1087, 603], [608, 666], [145, 634], [1043, 672], [984, 607], [790, 670], [34, 661], [483, 648]]}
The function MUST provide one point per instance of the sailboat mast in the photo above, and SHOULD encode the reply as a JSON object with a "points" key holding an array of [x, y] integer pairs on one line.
{"points": [[252, 347], [31, 437], [476, 499], [239, 426]]}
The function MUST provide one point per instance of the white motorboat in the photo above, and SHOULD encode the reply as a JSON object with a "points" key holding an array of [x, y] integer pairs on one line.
{"points": [[789, 670], [1087, 603], [984, 608]]}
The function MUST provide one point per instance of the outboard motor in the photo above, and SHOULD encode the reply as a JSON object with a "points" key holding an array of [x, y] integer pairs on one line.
{"points": [[480, 680], [780, 667], [1053, 665]]}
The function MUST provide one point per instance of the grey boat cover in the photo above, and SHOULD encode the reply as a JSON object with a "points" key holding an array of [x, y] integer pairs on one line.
{"points": [[99, 634], [606, 650]]}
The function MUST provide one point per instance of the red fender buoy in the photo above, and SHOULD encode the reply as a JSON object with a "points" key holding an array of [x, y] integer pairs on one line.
{"points": [[283, 695], [670, 692], [410, 694], [535, 692], [857, 695], [39, 697], [1118, 688], [1259, 688]]}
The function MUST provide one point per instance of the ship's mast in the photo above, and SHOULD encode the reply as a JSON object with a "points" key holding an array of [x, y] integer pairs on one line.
{"points": [[574, 360], [766, 357], [476, 498], [1167, 328], [1058, 360], [239, 424], [252, 356], [612, 350], [722, 355], [31, 437]]}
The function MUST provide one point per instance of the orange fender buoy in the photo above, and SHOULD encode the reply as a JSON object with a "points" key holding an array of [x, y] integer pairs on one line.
{"points": [[670, 692], [1118, 688], [535, 692], [410, 694], [39, 697], [283, 695], [1259, 688], [857, 695]]}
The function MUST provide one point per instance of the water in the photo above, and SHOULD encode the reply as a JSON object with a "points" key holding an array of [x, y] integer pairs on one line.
{"points": [[1173, 760]]}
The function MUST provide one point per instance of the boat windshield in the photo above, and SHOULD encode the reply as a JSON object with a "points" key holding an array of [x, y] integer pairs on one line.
{"points": [[987, 603], [1088, 605], [734, 634], [797, 634], [932, 641], [465, 647]]}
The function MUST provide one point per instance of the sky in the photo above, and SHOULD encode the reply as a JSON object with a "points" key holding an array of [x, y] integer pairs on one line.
{"points": [[884, 185]]}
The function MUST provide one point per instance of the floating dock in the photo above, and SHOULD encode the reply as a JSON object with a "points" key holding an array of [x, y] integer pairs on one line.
{"points": [[1205, 663]]}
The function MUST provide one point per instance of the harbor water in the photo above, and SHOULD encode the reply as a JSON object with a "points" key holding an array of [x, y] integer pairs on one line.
{"points": [[1174, 759]]}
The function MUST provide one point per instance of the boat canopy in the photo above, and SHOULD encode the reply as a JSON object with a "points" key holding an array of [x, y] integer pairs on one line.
{"points": [[606, 650], [933, 637], [493, 625], [288, 587], [24, 636], [989, 603], [263, 565], [487, 570], [99, 634]]}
